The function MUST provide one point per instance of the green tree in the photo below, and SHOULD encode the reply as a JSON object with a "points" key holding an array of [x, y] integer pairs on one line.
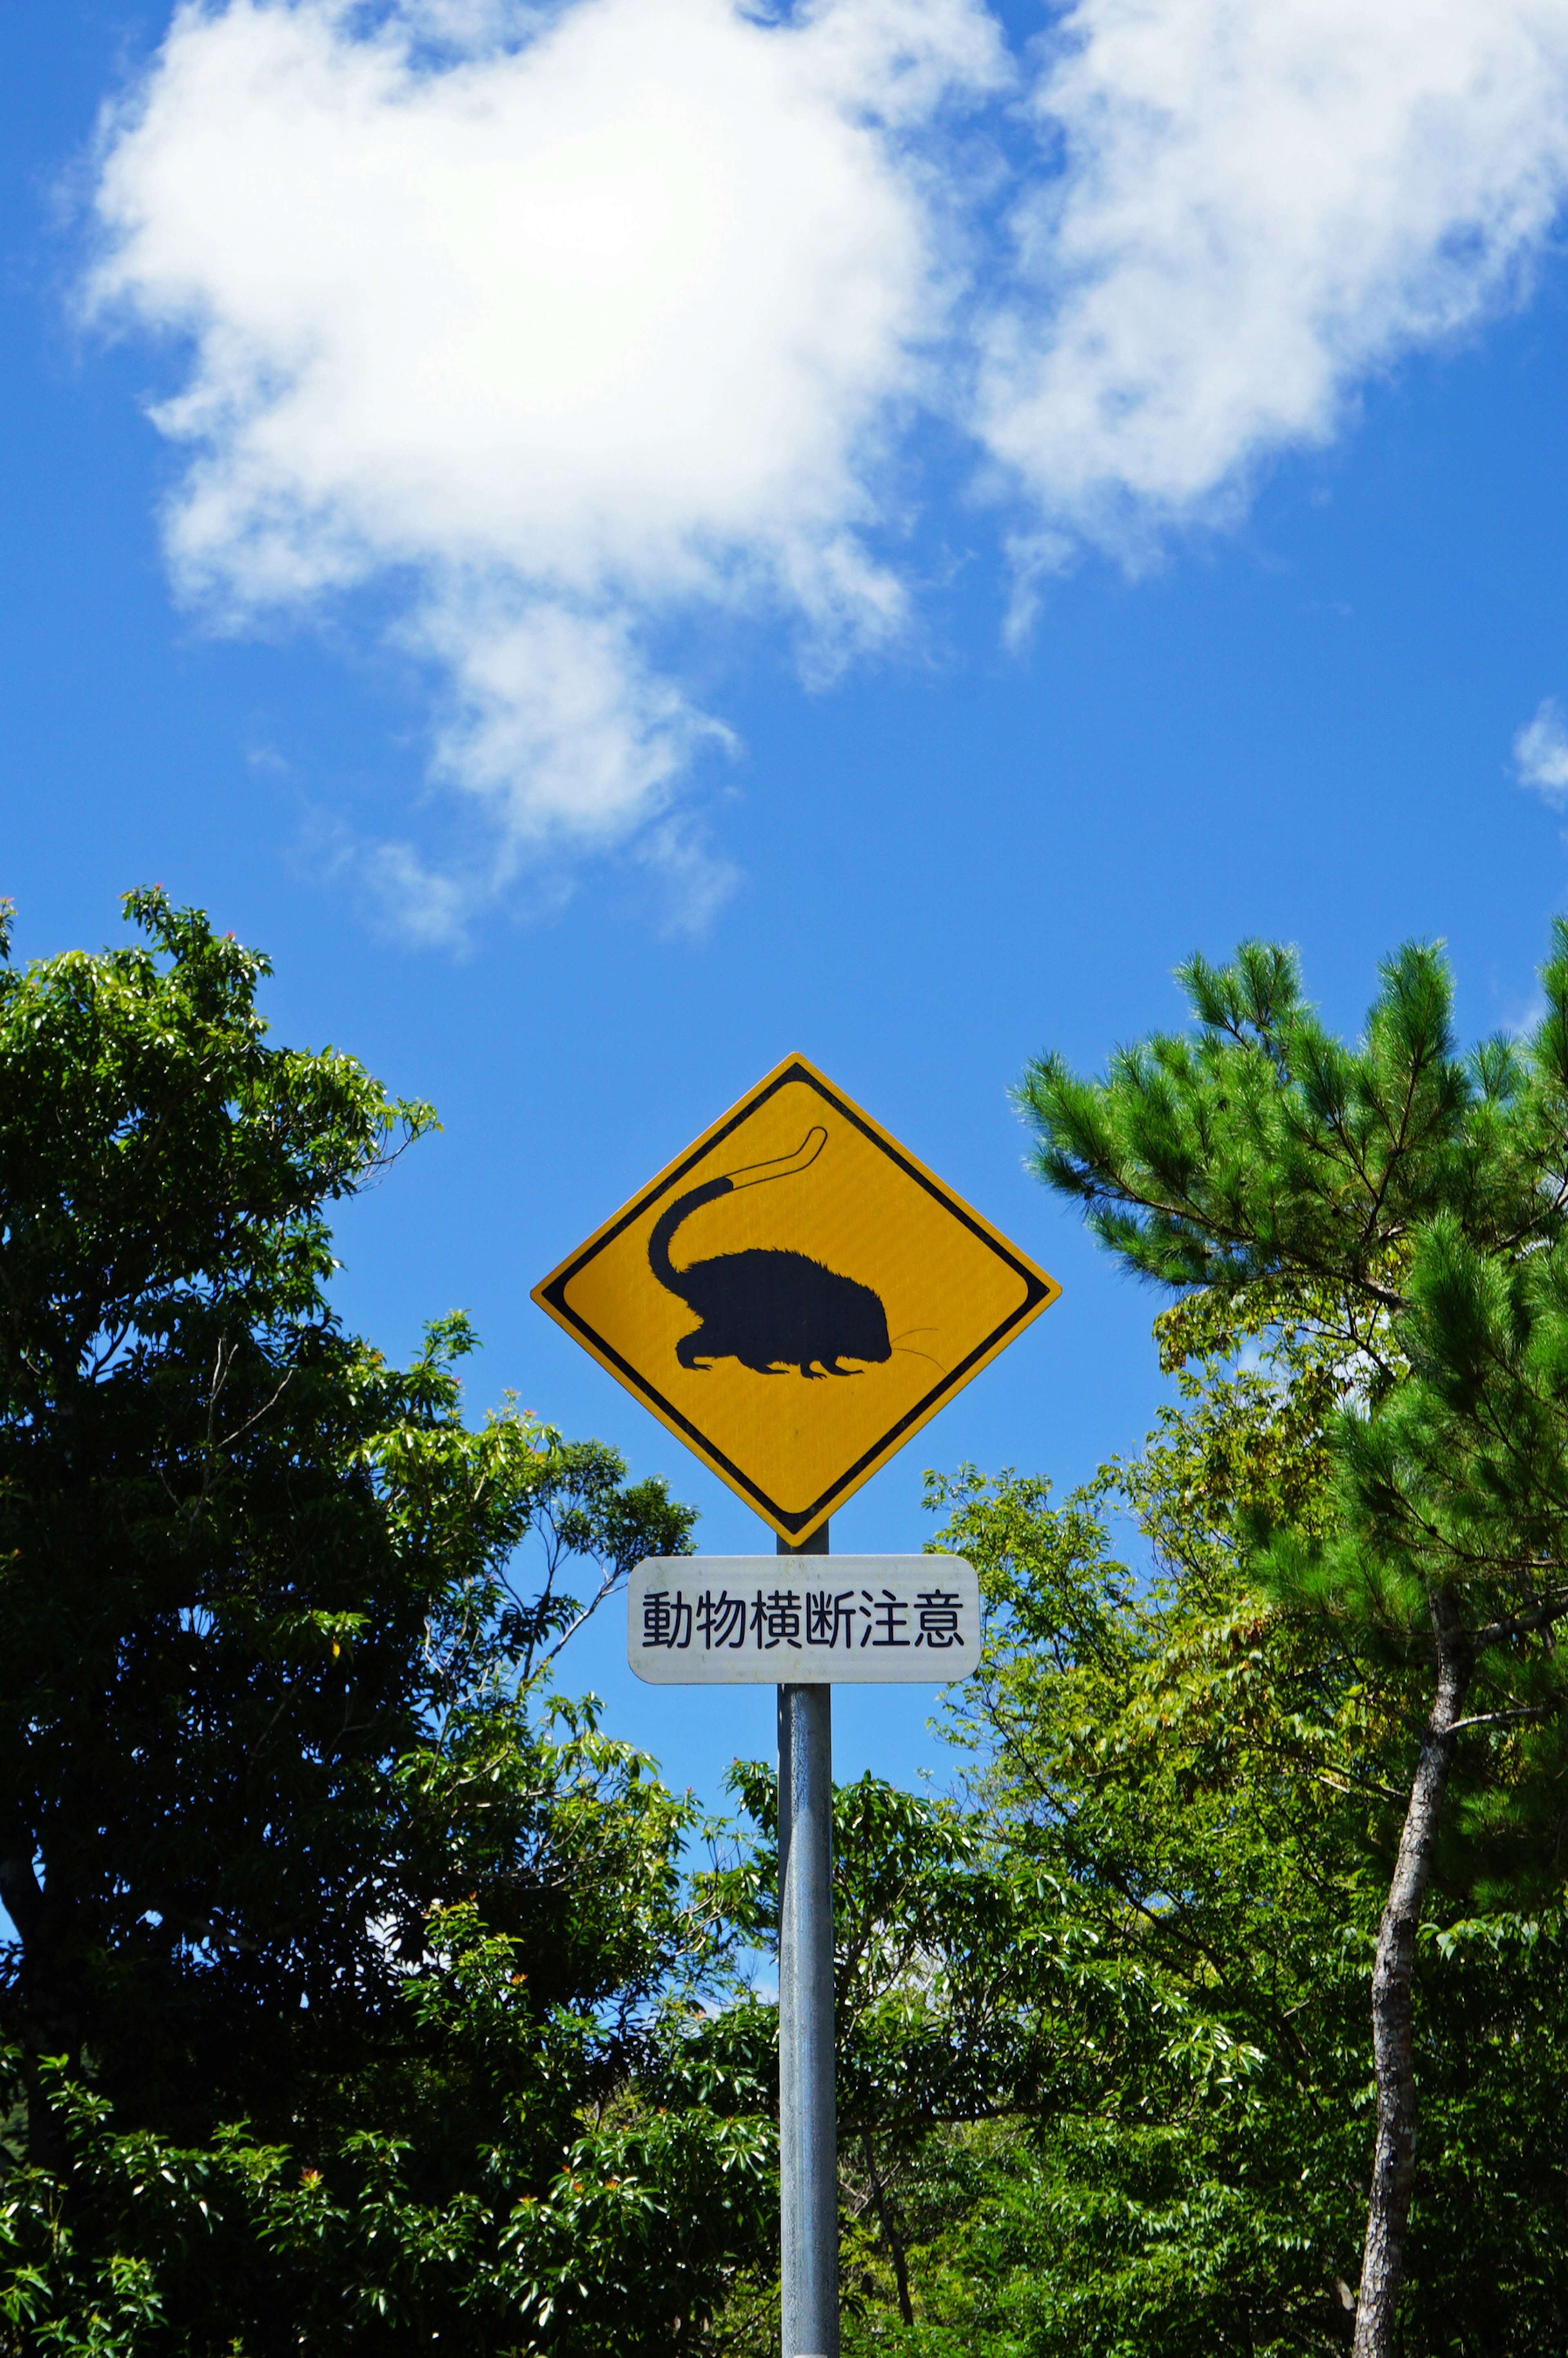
{"points": [[346, 1952], [208, 1644], [1404, 1205], [1163, 1930], [926, 2025]]}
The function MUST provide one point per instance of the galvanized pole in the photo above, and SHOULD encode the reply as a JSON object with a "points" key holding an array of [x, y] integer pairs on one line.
{"points": [[808, 2152]]}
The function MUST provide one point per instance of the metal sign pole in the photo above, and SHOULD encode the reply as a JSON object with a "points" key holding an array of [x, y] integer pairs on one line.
{"points": [[693, 1620], [808, 2154], [687, 1302]]}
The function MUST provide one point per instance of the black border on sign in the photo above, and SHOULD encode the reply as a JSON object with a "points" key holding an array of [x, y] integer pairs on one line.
{"points": [[1036, 1291]]}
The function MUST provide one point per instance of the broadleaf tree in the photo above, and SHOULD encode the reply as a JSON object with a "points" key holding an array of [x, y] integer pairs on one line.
{"points": [[347, 1949]]}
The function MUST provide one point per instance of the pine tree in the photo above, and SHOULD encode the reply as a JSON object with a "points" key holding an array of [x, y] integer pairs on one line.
{"points": [[1407, 1206]]}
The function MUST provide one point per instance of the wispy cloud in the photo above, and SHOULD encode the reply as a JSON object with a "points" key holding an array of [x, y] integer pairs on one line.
{"points": [[1260, 202], [1540, 753], [572, 327]]}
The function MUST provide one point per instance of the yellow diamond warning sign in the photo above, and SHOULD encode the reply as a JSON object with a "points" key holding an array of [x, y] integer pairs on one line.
{"points": [[796, 1296]]}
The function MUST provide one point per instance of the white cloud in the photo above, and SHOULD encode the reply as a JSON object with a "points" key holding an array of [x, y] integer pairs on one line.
{"points": [[600, 323], [697, 880], [411, 901], [1540, 751], [574, 327], [1260, 202], [554, 718]]}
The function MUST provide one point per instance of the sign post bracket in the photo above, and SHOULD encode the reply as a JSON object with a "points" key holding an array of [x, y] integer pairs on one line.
{"points": [[808, 2156]]}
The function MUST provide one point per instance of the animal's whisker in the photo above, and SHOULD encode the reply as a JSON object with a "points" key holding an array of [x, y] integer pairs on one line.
{"points": [[913, 1330], [907, 1352]]}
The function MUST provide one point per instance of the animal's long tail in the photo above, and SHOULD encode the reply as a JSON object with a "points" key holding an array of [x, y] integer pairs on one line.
{"points": [[751, 1174]]}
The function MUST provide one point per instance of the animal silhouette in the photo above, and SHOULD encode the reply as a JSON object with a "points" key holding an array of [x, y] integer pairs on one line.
{"points": [[771, 1310]]}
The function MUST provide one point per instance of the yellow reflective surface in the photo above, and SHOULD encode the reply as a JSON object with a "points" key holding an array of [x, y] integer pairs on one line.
{"points": [[798, 1327]]}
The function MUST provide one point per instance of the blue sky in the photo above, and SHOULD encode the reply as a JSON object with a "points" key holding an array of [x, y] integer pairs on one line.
{"points": [[621, 541]]}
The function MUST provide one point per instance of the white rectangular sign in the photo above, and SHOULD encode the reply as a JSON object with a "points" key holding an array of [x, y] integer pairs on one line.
{"points": [[802, 1620]]}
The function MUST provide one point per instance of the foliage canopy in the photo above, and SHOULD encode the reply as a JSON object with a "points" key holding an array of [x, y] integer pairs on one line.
{"points": [[346, 1955], [367, 1993]]}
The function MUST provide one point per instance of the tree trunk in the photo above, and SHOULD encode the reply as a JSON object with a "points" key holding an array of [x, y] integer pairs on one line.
{"points": [[49, 2024], [1393, 2161], [890, 2229]]}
